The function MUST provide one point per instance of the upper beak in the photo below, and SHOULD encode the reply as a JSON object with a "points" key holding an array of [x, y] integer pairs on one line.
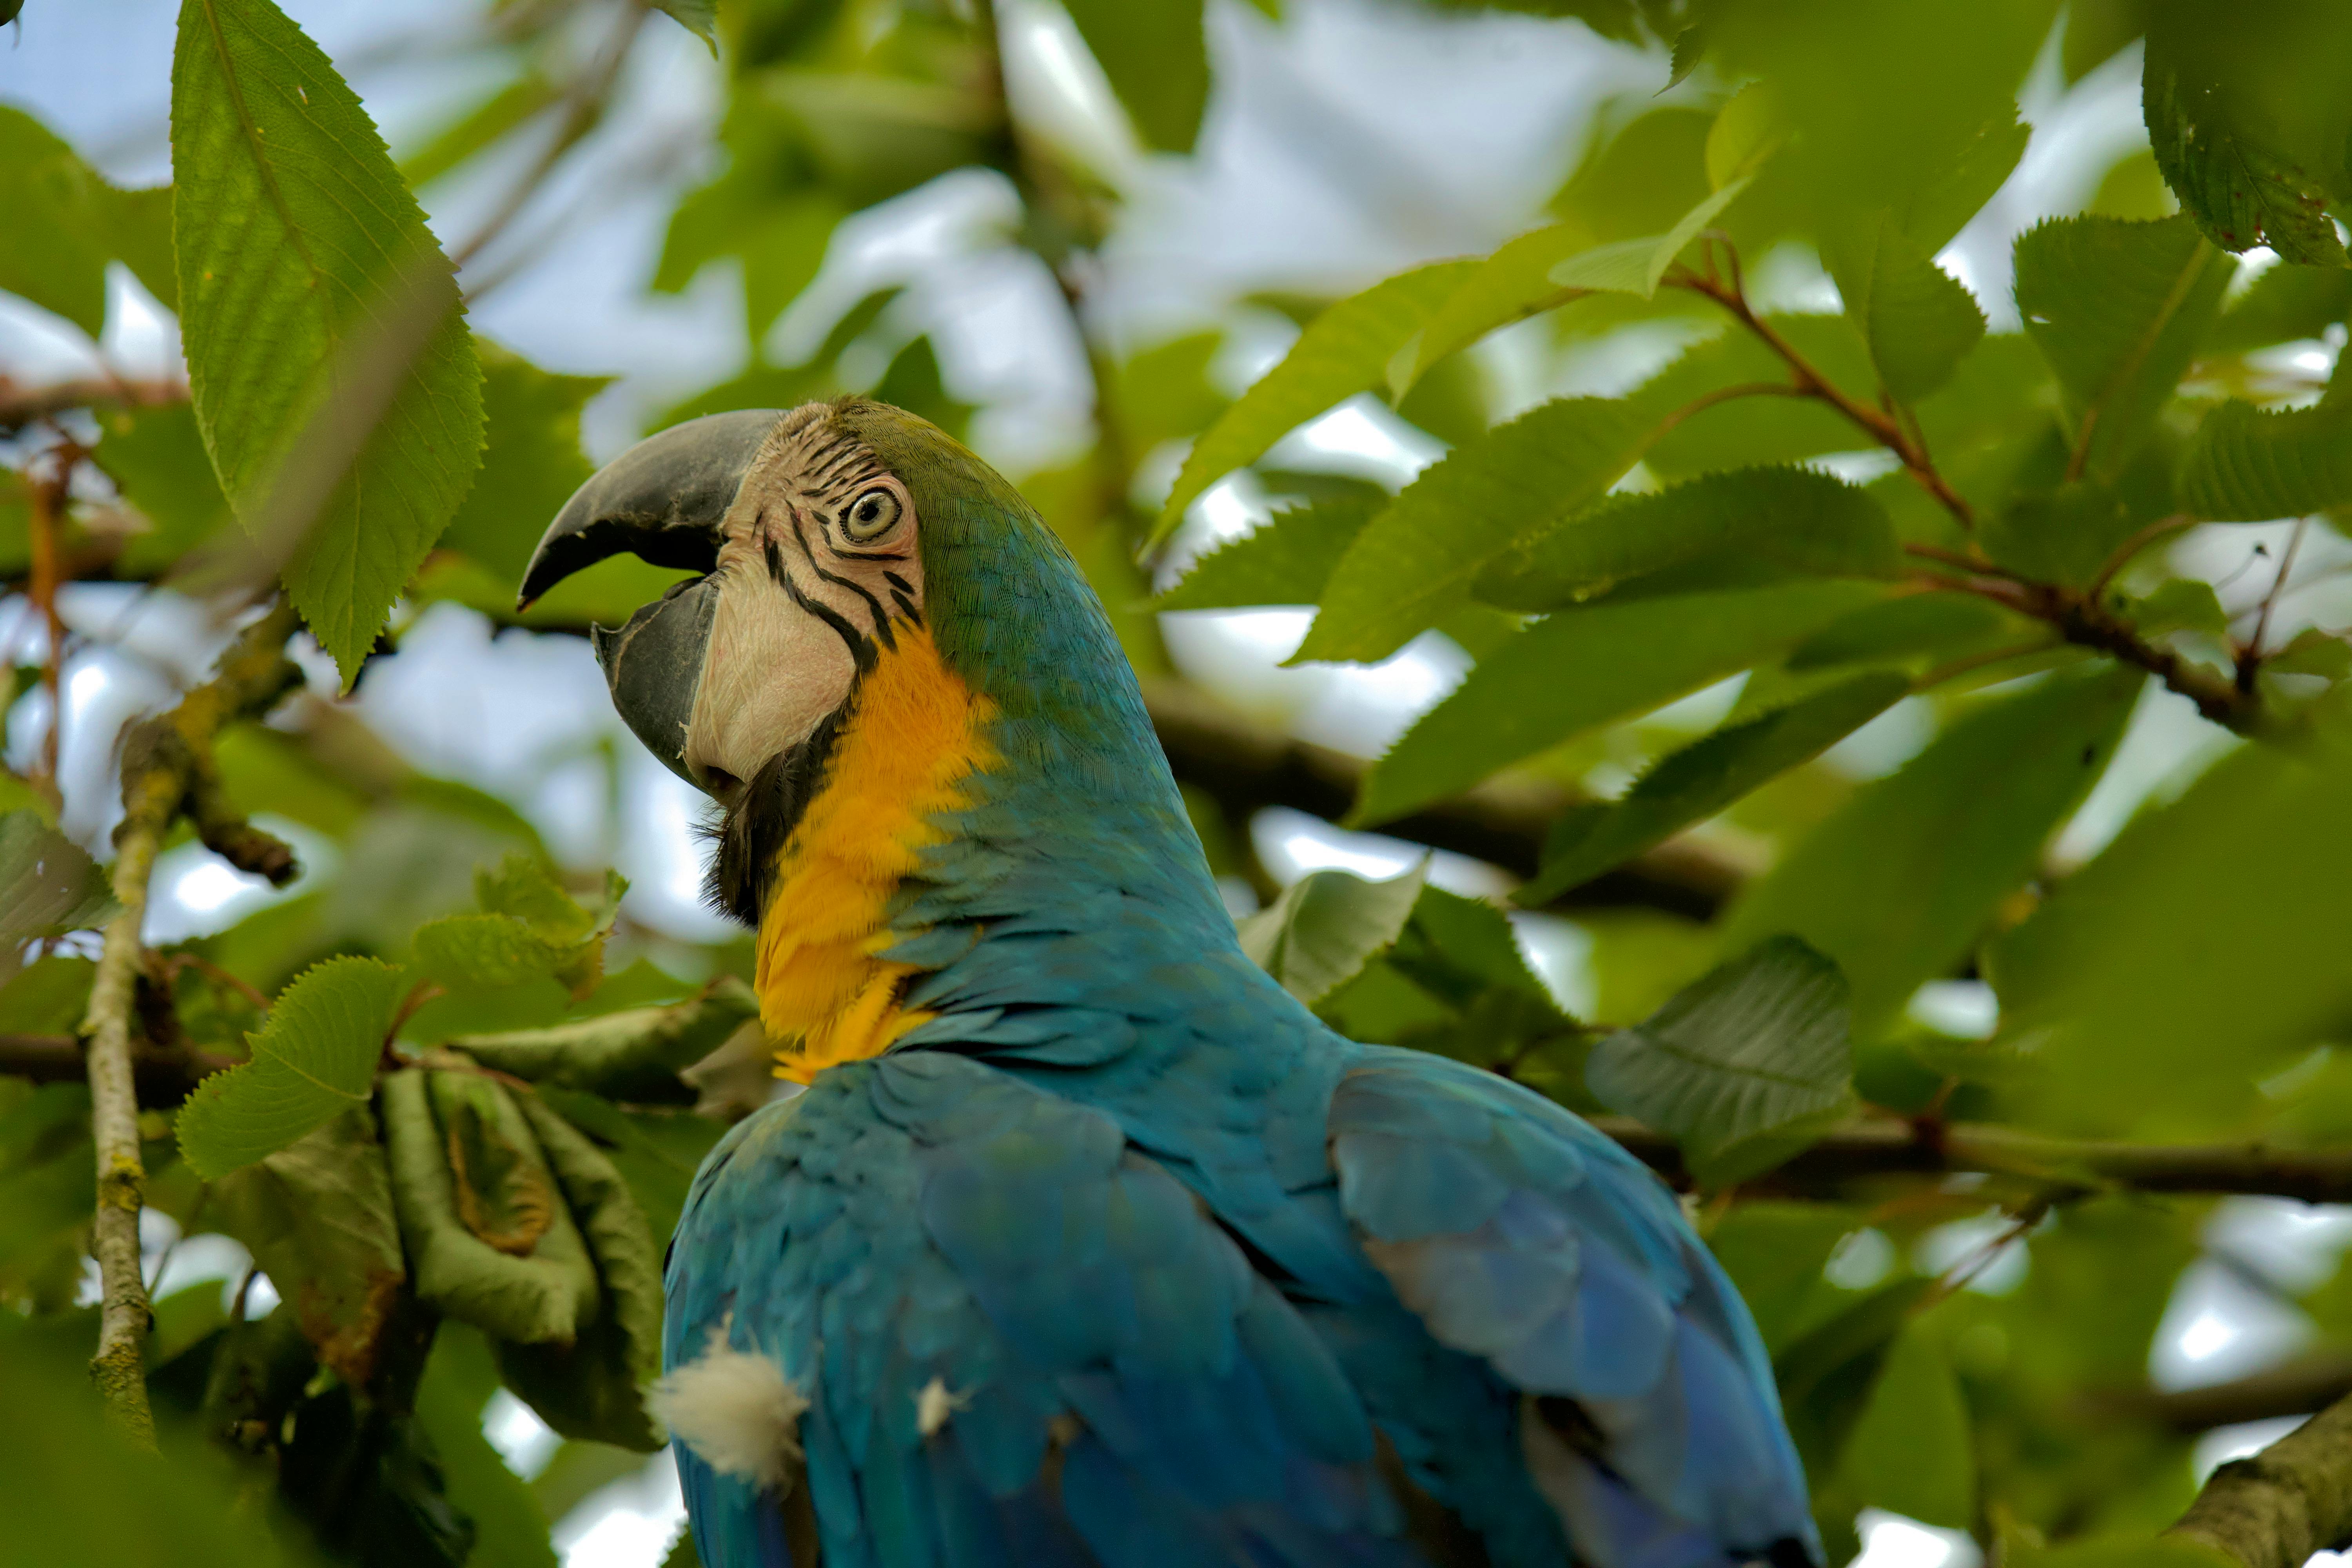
{"points": [[665, 500]]}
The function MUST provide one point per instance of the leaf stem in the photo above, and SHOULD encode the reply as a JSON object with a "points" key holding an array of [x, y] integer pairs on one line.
{"points": [[2249, 658], [2131, 547], [1809, 381]]}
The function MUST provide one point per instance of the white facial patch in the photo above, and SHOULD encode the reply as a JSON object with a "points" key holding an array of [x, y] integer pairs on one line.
{"points": [[818, 571], [737, 1410]]}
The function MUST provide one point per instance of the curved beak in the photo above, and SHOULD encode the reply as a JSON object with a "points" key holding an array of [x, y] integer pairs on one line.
{"points": [[665, 502]]}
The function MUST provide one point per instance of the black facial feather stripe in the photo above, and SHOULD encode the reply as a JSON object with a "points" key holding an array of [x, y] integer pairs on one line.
{"points": [[881, 616], [861, 648], [758, 823]]}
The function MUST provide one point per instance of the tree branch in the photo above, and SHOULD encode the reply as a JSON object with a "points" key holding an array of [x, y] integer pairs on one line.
{"points": [[2297, 1388], [164, 757], [1247, 767], [2277, 1508], [21, 404], [1889, 1146]]}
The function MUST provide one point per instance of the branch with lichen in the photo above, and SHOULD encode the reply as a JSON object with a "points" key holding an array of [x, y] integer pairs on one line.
{"points": [[167, 768], [2279, 1507]]}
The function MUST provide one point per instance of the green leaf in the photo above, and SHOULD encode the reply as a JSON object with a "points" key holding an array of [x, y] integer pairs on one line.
{"points": [[546, 1292], [593, 1388], [2126, 1551], [2283, 304], [1933, 212], [1913, 625], [1627, 658], [1743, 1068], [452, 1400], [1325, 926], [1638, 266], [1774, 1252], [2246, 116], [317, 1217], [315, 1058], [699, 17], [1703, 778], [2117, 309], [156, 457], [656, 1150], [1415, 562], [1916, 319], [1899, 884], [65, 223], [1827, 1373], [1157, 61], [1342, 351], [531, 460], [1798, 520], [1286, 560], [1513, 283], [2066, 536], [2249, 465], [1910, 1451], [2113, 979], [529, 929], [634, 1053], [327, 349], [47, 887]]}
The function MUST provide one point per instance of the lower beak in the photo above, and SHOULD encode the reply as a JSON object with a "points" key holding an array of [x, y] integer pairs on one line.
{"points": [[654, 665]]}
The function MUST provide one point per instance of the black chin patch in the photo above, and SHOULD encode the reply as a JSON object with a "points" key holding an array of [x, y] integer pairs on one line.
{"points": [[756, 828]]}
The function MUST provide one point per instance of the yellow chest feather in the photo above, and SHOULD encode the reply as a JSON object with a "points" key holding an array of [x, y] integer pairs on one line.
{"points": [[915, 734]]}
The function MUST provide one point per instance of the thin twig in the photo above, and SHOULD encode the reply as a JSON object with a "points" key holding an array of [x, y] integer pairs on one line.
{"points": [[2249, 658], [2131, 547], [160, 756], [46, 496]]}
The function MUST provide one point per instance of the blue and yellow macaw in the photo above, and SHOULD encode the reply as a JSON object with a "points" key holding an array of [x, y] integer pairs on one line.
{"points": [[1086, 1244]]}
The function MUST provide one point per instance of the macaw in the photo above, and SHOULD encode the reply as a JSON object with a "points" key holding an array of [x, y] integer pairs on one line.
{"points": [[1084, 1242]]}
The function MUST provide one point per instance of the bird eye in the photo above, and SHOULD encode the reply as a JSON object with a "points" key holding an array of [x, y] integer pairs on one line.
{"points": [[870, 516]]}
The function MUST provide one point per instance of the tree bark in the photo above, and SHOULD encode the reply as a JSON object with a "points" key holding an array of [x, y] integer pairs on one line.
{"points": [[2277, 1508]]}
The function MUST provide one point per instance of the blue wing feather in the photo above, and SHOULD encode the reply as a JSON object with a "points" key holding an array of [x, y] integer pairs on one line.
{"points": [[1121, 1387], [1520, 1235]]}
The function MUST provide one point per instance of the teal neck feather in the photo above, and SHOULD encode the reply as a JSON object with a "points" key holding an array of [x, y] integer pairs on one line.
{"points": [[1074, 876]]}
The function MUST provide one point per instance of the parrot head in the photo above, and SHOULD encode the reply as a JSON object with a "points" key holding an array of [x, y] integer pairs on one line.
{"points": [[898, 688]]}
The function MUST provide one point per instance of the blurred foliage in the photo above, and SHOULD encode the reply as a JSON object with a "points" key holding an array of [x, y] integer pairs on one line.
{"points": [[451, 1097]]}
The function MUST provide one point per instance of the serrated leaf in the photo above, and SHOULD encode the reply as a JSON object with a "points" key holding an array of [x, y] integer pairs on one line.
{"points": [[314, 1059], [1798, 520], [1157, 61], [636, 1053], [1416, 560], [2238, 112], [1626, 658], [531, 460], [1693, 783], [65, 222], [327, 350], [47, 887], [1898, 884], [2251, 465], [1757, 1046], [593, 1388], [1939, 206], [1639, 266], [2117, 309], [1916, 319], [549, 1295], [1325, 926], [1910, 1451], [317, 1217], [1286, 560], [1341, 352], [1513, 283], [699, 17]]}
